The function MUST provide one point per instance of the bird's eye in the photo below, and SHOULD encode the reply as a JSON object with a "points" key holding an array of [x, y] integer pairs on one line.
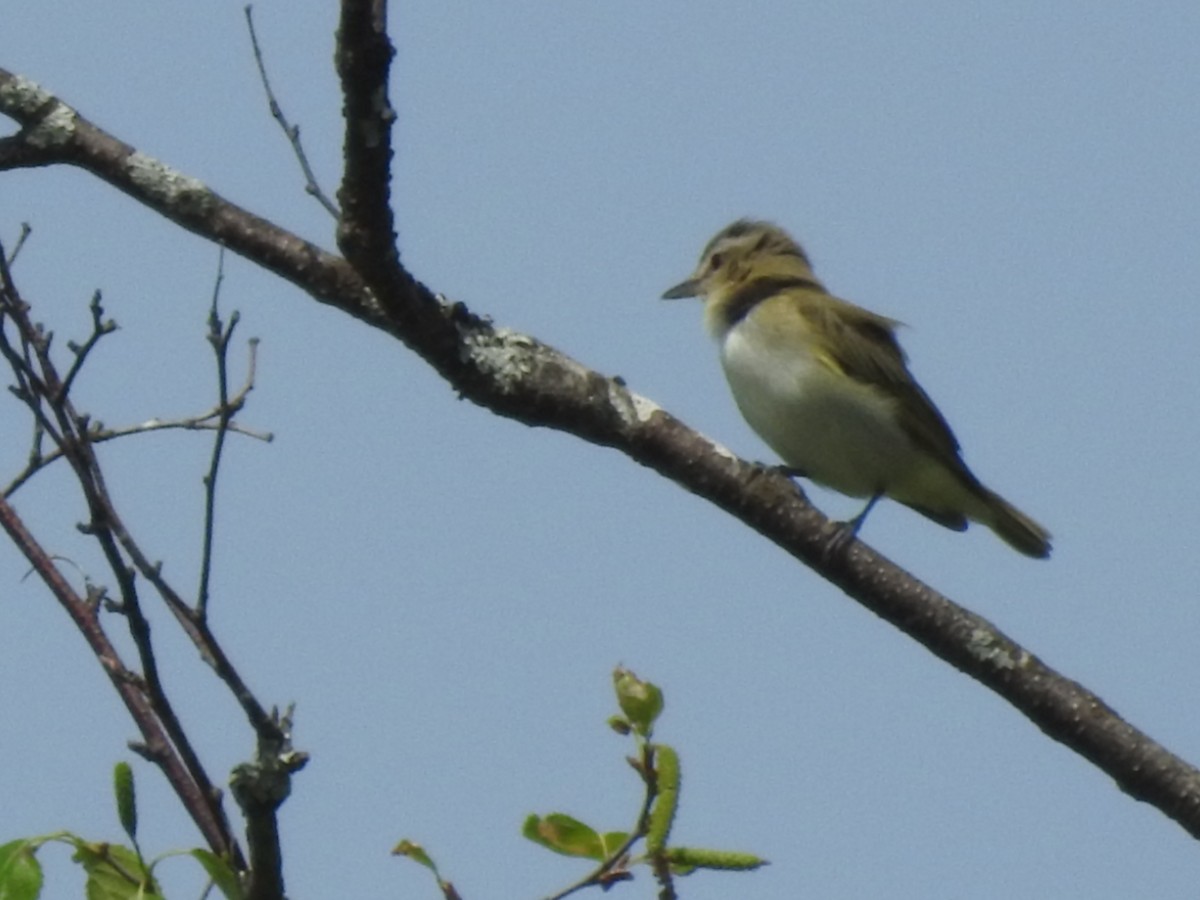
{"points": [[714, 261]]}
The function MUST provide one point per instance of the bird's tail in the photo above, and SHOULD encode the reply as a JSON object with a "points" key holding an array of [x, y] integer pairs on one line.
{"points": [[1015, 528]]}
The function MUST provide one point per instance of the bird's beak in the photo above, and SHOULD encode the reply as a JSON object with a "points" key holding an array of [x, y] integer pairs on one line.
{"points": [[689, 288]]}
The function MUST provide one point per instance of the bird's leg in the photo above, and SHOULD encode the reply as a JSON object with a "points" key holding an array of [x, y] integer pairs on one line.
{"points": [[856, 523], [845, 532]]}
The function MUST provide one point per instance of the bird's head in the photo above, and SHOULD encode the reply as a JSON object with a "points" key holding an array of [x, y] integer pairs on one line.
{"points": [[745, 251]]}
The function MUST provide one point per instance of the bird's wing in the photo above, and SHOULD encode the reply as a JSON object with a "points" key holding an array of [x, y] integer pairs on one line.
{"points": [[863, 346]]}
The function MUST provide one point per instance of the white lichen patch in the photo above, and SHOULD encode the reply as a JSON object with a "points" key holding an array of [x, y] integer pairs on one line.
{"points": [[167, 185], [722, 450], [505, 354], [643, 407], [986, 647], [21, 97], [57, 128], [633, 409]]}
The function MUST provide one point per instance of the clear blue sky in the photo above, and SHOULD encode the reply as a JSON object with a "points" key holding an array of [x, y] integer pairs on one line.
{"points": [[444, 593]]}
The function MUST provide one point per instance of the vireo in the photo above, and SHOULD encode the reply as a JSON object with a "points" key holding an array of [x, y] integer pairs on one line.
{"points": [[825, 384]]}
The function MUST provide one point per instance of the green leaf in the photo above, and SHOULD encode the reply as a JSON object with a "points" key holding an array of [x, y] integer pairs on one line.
{"points": [[565, 835], [115, 873], [20, 871], [641, 701], [416, 853], [126, 798], [620, 725], [223, 875], [613, 840]]}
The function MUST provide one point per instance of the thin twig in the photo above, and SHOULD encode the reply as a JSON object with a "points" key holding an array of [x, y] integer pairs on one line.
{"points": [[292, 132], [218, 337], [26, 230], [30, 387], [100, 327], [98, 434]]}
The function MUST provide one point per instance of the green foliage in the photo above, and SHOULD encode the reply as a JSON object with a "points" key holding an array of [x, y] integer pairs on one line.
{"points": [[20, 872], [640, 701], [641, 704], [570, 837], [220, 872], [657, 764], [417, 854], [114, 871]]}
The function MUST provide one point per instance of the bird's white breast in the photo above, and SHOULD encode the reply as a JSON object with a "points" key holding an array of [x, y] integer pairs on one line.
{"points": [[839, 432]]}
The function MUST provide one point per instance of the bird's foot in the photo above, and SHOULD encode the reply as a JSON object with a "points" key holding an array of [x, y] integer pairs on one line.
{"points": [[789, 471], [842, 535], [763, 468]]}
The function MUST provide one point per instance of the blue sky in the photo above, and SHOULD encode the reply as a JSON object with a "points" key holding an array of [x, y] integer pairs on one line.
{"points": [[444, 593]]}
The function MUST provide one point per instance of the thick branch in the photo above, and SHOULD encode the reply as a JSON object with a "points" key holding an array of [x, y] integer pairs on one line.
{"points": [[366, 232], [519, 377]]}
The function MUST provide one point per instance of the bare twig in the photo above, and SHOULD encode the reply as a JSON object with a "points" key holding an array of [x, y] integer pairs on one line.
{"points": [[163, 739], [219, 336], [98, 434], [29, 388], [291, 131], [26, 230], [100, 327]]}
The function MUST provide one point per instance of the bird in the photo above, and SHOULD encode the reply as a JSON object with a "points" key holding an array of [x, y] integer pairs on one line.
{"points": [[826, 385]]}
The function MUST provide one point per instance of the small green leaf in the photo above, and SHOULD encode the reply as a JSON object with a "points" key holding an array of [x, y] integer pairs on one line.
{"points": [[565, 835], [416, 853], [115, 873], [612, 841], [641, 701], [688, 859], [20, 871], [620, 725], [126, 798], [223, 875]]}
